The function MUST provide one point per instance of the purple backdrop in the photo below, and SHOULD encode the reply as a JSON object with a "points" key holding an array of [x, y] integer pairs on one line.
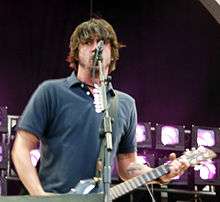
{"points": [[170, 65]]}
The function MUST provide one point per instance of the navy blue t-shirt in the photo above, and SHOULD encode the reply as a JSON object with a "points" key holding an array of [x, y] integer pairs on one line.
{"points": [[62, 115]]}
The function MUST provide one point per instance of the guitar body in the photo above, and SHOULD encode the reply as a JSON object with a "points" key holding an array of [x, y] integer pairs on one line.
{"points": [[84, 187], [55, 198]]}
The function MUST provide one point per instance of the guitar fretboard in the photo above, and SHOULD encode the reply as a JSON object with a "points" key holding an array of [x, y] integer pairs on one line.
{"points": [[138, 181]]}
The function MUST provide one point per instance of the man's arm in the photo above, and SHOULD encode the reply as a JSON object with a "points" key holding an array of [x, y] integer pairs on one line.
{"points": [[24, 143], [128, 167]]}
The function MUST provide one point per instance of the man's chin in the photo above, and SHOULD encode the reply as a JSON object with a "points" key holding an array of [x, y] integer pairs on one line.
{"points": [[94, 71]]}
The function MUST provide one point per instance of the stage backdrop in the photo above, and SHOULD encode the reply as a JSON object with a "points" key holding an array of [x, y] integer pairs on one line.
{"points": [[170, 65]]}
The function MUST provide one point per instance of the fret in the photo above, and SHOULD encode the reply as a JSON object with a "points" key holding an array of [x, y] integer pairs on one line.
{"points": [[132, 184], [137, 182], [113, 194], [151, 175], [129, 187], [165, 169], [124, 188], [159, 174], [114, 191], [155, 174], [141, 179], [162, 169], [146, 177], [117, 191], [120, 190]]}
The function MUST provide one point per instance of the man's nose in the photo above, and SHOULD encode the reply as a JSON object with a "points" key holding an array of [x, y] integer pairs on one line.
{"points": [[94, 45]]}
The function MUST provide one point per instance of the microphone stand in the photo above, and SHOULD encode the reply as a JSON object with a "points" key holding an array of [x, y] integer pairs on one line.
{"points": [[107, 134]]}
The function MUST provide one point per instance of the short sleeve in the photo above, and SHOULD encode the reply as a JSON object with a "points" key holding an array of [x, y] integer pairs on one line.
{"points": [[128, 140], [36, 113]]}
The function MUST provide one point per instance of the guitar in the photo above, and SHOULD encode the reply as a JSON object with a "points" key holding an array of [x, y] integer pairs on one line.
{"points": [[193, 156]]}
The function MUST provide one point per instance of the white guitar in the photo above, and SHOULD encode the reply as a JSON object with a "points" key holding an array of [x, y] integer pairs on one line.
{"points": [[193, 156]]}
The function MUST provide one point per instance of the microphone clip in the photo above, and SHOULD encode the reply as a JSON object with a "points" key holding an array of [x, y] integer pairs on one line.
{"points": [[98, 53]]}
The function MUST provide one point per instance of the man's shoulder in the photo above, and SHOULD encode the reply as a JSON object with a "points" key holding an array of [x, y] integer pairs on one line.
{"points": [[52, 83], [124, 97], [50, 87]]}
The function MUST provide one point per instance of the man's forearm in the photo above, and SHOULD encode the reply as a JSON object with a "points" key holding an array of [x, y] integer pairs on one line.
{"points": [[128, 166], [27, 172], [23, 144]]}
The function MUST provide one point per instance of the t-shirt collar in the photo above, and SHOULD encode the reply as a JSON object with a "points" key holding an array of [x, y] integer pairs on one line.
{"points": [[72, 80]]}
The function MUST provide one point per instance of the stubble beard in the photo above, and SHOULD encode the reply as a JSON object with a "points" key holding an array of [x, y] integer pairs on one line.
{"points": [[92, 71], [89, 69]]}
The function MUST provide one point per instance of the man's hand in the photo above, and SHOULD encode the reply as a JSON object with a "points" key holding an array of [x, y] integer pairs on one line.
{"points": [[177, 168], [47, 194]]}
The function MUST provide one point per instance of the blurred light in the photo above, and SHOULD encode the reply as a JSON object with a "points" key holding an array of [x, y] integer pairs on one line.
{"points": [[140, 133], [1, 153], [169, 135], [207, 170], [142, 159], [114, 173], [143, 135], [145, 156], [205, 137], [176, 178], [35, 156], [207, 173]]}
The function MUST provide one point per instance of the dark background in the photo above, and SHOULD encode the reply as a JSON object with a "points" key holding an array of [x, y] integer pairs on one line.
{"points": [[170, 65]]}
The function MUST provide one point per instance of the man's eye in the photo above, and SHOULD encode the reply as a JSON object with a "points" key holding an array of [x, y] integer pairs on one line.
{"points": [[106, 42], [88, 42]]}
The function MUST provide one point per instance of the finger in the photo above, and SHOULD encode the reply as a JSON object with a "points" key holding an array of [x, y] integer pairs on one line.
{"points": [[184, 164], [172, 156]]}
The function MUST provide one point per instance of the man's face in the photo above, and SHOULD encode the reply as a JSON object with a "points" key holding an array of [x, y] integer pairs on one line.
{"points": [[86, 52]]}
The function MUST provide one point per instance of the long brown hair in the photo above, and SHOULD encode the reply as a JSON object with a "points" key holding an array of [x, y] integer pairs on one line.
{"points": [[87, 31]]}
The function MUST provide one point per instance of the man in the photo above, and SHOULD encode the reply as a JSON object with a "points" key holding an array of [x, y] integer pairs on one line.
{"points": [[61, 116]]}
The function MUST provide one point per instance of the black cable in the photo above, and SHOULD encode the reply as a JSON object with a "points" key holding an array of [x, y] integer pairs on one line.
{"points": [[91, 9]]}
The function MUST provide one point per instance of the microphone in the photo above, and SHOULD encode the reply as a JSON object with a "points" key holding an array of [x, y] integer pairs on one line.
{"points": [[98, 53]]}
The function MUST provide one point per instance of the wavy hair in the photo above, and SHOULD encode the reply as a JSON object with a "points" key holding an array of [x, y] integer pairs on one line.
{"points": [[87, 31]]}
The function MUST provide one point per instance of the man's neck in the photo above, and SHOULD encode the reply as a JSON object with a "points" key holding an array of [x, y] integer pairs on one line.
{"points": [[85, 76]]}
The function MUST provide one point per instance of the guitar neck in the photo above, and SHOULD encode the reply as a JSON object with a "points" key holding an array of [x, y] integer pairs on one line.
{"points": [[138, 181], [193, 156]]}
